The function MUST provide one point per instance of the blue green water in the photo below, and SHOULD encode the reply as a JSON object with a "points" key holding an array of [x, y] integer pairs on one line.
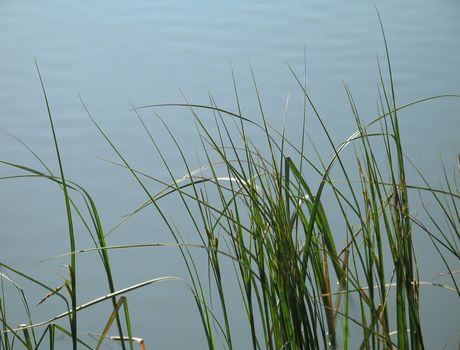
{"points": [[115, 53]]}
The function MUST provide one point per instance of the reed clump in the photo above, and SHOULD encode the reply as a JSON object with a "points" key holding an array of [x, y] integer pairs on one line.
{"points": [[304, 281]]}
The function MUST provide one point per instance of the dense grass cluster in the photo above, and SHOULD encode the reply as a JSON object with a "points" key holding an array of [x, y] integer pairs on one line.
{"points": [[254, 206]]}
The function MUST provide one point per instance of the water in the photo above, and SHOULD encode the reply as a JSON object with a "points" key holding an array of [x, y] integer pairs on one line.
{"points": [[115, 53]]}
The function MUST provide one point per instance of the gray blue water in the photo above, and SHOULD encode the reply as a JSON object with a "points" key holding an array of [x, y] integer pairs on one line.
{"points": [[114, 53]]}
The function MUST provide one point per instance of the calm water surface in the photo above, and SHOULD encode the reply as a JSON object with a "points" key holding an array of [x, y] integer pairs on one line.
{"points": [[114, 53]]}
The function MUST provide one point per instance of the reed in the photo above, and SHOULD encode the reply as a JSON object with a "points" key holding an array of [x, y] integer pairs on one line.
{"points": [[255, 206]]}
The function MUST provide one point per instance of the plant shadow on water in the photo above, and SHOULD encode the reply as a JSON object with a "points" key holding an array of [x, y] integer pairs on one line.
{"points": [[256, 212]]}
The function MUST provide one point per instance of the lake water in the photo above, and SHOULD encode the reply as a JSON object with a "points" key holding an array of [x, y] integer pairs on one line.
{"points": [[114, 53]]}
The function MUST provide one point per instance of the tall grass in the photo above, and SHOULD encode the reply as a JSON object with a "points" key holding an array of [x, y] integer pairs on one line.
{"points": [[312, 274]]}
